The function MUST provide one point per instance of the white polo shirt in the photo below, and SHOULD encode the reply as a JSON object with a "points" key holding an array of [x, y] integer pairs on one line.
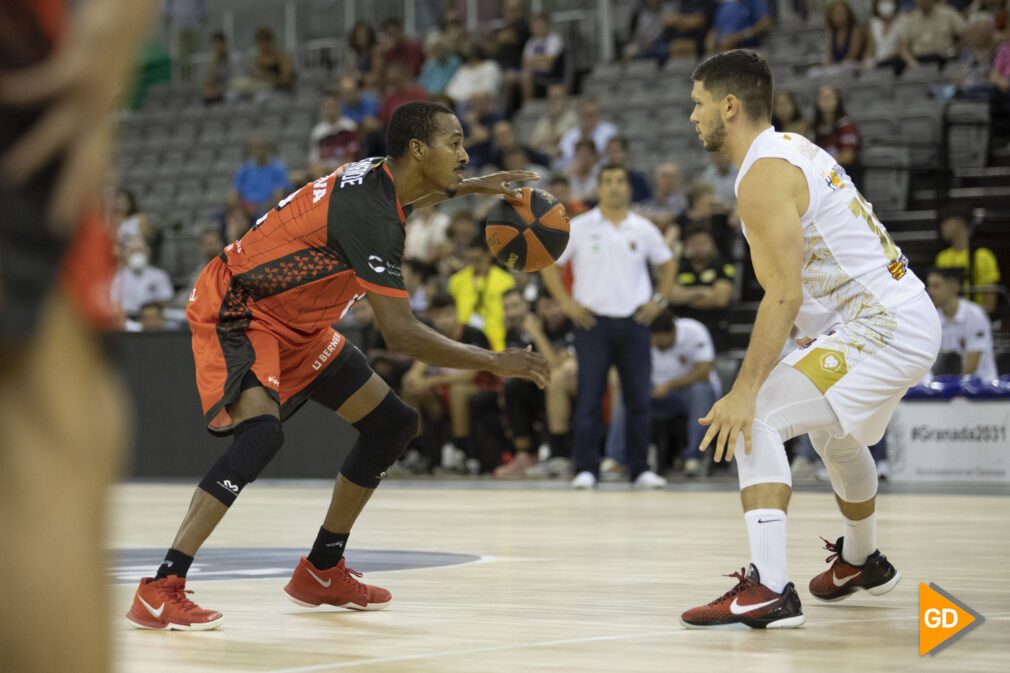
{"points": [[969, 331], [693, 344], [610, 263]]}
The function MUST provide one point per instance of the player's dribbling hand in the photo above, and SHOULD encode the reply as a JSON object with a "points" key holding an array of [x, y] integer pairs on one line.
{"points": [[523, 363], [726, 420], [498, 183]]}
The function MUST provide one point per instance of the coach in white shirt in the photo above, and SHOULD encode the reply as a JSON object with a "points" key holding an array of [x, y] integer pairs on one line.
{"points": [[612, 305], [965, 325]]}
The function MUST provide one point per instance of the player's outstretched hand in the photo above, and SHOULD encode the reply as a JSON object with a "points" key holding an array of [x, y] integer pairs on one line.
{"points": [[728, 418], [498, 183], [523, 363]]}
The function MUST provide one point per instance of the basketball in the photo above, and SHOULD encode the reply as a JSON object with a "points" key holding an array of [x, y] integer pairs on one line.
{"points": [[527, 233]]}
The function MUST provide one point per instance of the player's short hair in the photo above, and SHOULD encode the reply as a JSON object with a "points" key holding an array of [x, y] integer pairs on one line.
{"points": [[743, 73], [954, 274], [441, 300], [415, 119], [614, 167], [662, 322]]}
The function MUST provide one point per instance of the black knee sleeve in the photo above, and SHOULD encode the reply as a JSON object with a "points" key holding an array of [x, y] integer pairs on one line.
{"points": [[257, 441], [385, 433]]}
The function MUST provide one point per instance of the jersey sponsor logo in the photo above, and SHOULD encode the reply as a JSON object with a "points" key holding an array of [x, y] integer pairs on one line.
{"points": [[272, 380], [354, 174], [227, 485], [836, 177], [318, 190], [830, 362], [376, 264], [192, 295], [327, 352]]}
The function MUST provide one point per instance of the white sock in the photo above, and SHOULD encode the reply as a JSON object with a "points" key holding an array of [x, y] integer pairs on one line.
{"points": [[860, 539], [766, 529]]}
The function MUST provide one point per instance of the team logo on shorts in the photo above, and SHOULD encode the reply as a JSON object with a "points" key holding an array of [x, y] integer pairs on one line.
{"points": [[830, 362], [823, 366]]}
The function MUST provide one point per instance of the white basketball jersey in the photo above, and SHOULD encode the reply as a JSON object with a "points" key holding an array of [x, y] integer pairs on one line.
{"points": [[852, 270]]}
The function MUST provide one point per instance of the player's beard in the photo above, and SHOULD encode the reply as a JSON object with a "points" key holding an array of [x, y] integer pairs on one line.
{"points": [[714, 141]]}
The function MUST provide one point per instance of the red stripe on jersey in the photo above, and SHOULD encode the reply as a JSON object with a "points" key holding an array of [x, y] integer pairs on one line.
{"points": [[399, 208], [384, 291]]}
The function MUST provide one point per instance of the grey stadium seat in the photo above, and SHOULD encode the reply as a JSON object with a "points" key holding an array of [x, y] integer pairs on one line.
{"points": [[885, 176]]}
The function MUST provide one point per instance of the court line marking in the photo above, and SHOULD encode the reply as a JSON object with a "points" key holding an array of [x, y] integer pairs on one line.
{"points": [[999, 616]]}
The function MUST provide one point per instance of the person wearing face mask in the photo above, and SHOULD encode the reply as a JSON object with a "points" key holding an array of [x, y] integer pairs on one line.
{"points": [[884, 37], [137, 283]]}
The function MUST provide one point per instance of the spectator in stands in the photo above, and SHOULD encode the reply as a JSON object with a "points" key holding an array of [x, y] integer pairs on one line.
{"points": [[994, 9], [360, 107], [668, 201], [612, 304], [930, 34], [439, 66], [846, 38], [211, 246], [236, 223], [333, 141], [219, 72], [261, 181], [738, 23], [477, 291], [137, 282], [980, 269], [400, 88], [706, 210], [396, 47], [617, 155], [542, 57], [883, 40], [504, 138], [721, 174], [687, 26], [462, 230], [561, 188], [704, 287], [508, 51], [271, 71], [552, 336], [477, 74], [426, 235], [1000, 75], [787, 116], [480, 117], [452, 28], [591, 127], [648, 30], [518, 159], [433, 391], [965, 325], [151, 317], [684, 384], [363, 56], [979, 48], [834, 132], [559, 118], [583, 173], [129, 223]]}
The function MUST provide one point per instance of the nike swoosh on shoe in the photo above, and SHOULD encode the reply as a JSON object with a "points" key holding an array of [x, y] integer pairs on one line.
{"points": [[738, 609], [841, 582], [325, 585]]}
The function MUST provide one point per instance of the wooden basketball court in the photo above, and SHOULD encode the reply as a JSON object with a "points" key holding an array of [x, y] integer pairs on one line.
{"points": [[552, 580]]}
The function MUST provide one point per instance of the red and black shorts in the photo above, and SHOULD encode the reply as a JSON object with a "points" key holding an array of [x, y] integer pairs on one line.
{"points": [[236, 346]]}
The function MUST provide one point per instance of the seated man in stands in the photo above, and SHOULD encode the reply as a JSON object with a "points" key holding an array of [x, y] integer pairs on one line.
{"points": [[930, 34], [668, 200], [966, 328], [704, 286], [550, 333], [333, 141], [271, 71], [137, 282], [738, 24], [684, 384], [984, 267], [436, 392], [504, 138], [261, 182], [540, 57]]}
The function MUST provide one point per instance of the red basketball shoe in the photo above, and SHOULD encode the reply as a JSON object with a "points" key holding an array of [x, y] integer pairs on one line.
{"points": [[842, 579], [310, 587], [749, 604], [162, 604]]}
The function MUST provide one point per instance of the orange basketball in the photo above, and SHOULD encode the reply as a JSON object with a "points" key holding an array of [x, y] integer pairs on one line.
{"points": [[527, 233]]}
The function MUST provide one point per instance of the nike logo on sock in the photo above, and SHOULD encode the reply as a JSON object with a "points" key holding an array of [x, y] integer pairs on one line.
{"points": [[738, 609], [325, 585], [768, 520], [842, 581], [154, 613]]}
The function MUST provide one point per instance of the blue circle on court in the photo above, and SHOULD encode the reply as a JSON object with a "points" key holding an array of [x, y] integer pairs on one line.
{"points": [[244, 563]]}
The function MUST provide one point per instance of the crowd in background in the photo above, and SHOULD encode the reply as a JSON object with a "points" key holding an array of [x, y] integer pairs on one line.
{"points": [[474, 422]]}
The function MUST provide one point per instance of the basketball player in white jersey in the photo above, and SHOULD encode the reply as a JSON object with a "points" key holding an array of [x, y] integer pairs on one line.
{"points": [[827, 264]]}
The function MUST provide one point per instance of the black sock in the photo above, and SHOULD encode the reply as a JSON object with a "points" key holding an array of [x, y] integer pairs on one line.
{"points": [[175, 563], [328, 549], [559, 444]]}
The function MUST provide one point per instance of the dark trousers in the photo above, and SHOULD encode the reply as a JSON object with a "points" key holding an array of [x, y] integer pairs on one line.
{"points": [[624, 343]]}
